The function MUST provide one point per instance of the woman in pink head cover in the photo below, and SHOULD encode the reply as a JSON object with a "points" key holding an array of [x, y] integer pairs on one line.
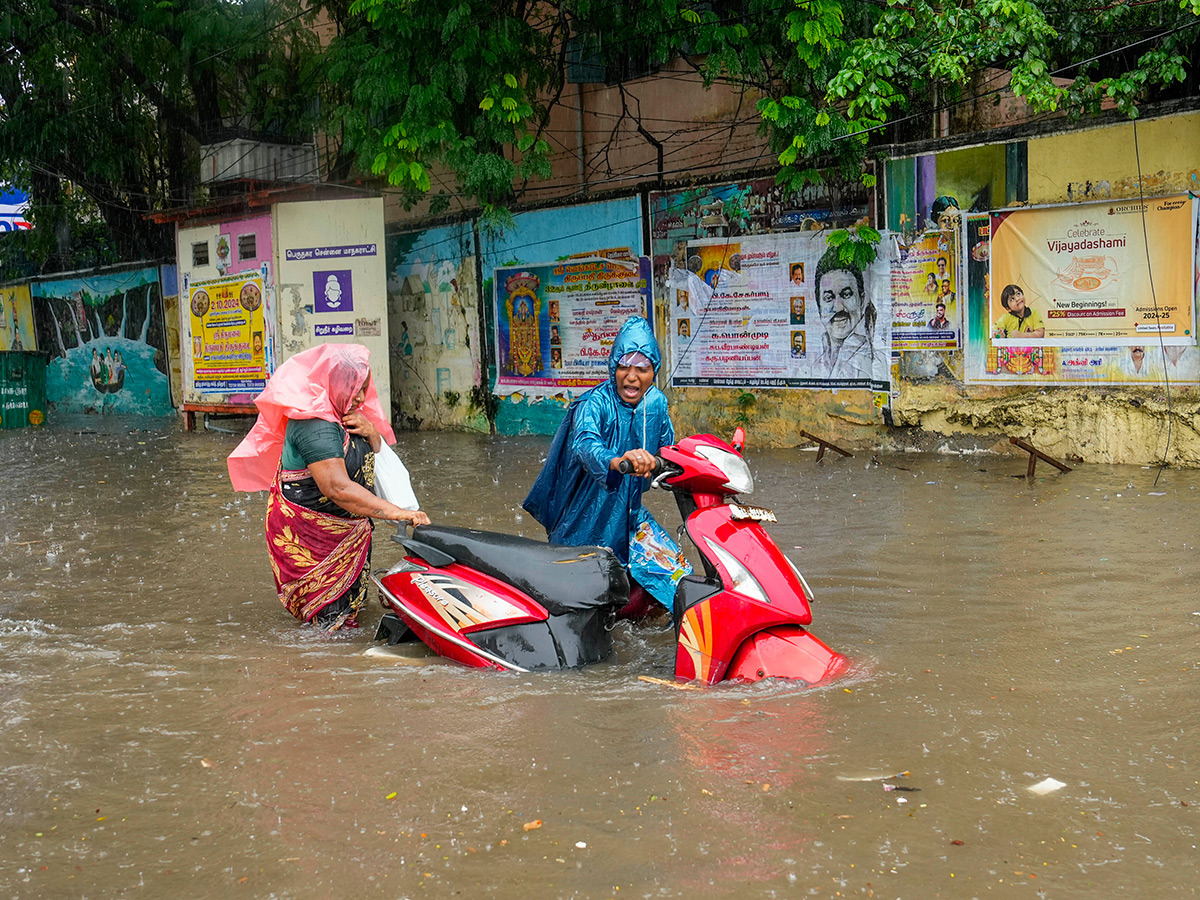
{"points": [[313, 446]]}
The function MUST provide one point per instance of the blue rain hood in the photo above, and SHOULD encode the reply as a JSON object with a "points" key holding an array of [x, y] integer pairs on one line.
{"points": [[635, 335], [578, 499]]}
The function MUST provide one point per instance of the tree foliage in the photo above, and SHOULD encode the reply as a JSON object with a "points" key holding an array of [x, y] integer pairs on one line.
{"points": [[468, 84], [105, 103]]}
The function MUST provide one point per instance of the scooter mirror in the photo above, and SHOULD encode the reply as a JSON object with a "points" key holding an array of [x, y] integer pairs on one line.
{"points": [[739, 439]]}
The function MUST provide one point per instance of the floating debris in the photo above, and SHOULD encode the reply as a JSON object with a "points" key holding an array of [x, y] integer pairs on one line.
{"points": [[679, 686], [1047, 786]]}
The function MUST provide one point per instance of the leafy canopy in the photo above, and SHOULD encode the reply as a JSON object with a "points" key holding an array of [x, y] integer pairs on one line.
{"points": [[468, 84], [105, 103], [110, 100]]}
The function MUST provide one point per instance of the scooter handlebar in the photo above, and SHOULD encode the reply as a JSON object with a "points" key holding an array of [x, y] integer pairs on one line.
{"points": [[625, 467]]}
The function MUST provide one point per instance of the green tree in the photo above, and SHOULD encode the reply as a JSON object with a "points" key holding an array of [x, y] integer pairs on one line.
{"points": [[468, 84], [104, 105]]}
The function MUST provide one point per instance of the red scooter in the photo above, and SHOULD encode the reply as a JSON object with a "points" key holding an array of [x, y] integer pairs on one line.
{"points": [[491, 600]]}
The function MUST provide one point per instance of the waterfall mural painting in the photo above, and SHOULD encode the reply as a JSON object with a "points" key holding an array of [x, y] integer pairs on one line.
{"points": [[107, 343]]}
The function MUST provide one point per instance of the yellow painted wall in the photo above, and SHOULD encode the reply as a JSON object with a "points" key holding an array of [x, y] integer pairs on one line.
{"points": [[1061, 167], [1093, 423], [964, 174]]}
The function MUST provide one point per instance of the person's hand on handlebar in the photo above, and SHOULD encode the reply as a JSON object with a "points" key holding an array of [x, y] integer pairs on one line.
{"points": [[413, 517], [641, 462]]}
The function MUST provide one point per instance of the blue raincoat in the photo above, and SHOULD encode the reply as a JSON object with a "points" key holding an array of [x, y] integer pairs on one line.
{"points": [[581, 501]]}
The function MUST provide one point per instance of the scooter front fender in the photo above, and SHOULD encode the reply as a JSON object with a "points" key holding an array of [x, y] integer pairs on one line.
{"points": [[786, 651], [712, 631], [749, 646], [728, 634]]}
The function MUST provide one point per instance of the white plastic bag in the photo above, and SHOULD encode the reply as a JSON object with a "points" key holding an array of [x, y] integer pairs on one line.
{"points": [[391, 479]]}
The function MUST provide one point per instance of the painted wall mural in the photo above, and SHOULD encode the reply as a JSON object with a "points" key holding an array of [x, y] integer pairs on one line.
{"points": [[433, 321], [107, 343]]}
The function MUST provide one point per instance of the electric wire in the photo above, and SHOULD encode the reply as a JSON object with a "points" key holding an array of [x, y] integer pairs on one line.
{"points": [[1154, 297]]}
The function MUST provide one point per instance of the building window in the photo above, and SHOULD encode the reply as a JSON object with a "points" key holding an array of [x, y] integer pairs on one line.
{"points": [[247, 247], [200, 254]]}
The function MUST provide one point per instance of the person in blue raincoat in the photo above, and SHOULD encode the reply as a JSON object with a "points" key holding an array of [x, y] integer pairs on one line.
{"points": [[580, 496]]}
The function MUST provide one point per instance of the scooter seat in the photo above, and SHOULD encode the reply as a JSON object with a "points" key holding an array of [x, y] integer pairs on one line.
{"points": [[562, 579]]}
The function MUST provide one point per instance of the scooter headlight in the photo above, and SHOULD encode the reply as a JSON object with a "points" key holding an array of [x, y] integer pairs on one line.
{"points": [[733, 467], [743, 582]]}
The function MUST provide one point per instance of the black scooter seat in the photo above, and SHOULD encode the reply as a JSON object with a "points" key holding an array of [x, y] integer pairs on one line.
{"points": [[562, 579]]}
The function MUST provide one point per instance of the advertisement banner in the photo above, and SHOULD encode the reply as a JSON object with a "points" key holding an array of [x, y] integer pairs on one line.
{"points": [[778, 310], [1117, 273], [925, 310], [16, 319], [555, 322], [986, 362], [228, 334], [13, 206]]}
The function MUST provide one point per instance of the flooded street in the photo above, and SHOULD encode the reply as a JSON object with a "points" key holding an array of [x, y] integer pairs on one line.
{"points": [[167, 730]]}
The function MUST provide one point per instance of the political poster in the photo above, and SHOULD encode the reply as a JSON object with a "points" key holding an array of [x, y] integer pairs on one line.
{"points": [[925, 306], [228, 334], [555, 322], [779, 310], [1117, 273]]}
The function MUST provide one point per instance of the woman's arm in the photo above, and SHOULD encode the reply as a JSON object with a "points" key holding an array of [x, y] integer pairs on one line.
{"points": [[587, 438], [334, 481]]}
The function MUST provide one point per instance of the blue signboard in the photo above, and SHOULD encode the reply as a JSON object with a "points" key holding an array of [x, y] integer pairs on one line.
{"points": [[13, 205]]}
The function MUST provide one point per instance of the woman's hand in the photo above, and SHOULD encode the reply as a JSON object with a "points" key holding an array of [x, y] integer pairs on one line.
{"points": [[357, 423], [415, 516]]}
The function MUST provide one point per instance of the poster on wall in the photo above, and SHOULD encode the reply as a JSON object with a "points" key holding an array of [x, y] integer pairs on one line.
{"points": [[16, 319], [107, 343], [1116, 273], [988, 361], [555, 322], [925, 307], [228, 334], [757, 206], [780, 311]]}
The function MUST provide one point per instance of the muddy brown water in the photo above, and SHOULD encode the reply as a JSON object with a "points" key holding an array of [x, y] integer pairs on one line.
{"points": [[166, 730]]}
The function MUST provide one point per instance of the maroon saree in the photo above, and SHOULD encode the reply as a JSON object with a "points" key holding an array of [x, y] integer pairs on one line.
{"points": [[320, 553]]}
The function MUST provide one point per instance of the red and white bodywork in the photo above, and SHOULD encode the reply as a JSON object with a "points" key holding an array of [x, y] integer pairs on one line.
{"points": [[503, 602]]}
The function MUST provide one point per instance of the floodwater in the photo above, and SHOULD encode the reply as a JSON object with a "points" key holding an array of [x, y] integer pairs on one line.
{"points": [[166, 729]]}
